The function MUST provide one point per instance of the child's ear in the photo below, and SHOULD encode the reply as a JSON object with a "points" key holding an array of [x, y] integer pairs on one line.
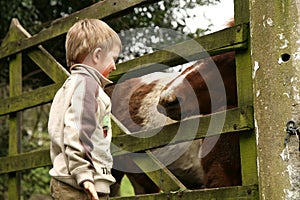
{"points": [[97, 55]]}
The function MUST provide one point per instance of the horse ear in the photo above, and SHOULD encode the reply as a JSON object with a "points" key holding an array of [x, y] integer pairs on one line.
{"points": [[230, 22]]}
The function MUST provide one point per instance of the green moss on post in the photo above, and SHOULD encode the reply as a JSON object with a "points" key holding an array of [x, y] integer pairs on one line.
{"points": [[276, 75], [15, 77]]}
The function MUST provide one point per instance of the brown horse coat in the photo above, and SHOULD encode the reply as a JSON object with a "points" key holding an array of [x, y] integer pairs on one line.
{"points": [[134, 104]]}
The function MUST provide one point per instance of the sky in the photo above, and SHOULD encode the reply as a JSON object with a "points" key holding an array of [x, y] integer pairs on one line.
{"points": [[217, 14]]}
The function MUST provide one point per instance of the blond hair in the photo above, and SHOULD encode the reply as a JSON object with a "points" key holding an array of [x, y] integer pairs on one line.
{"points": [[86, 35]]}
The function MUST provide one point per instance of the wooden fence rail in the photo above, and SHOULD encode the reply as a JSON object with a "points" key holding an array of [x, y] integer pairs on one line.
{"points": [[237, 120]]}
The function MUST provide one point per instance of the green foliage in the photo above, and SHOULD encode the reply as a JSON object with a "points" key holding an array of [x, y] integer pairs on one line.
{"points": [[21, 9], [3, 151], [37, 14], [3, 185], [35, 136], [35, 181], [3, 135], [126, 187], [155, 26]]}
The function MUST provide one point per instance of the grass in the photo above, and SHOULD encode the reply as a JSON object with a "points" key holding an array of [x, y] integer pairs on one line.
{"points": [[126, 187]]}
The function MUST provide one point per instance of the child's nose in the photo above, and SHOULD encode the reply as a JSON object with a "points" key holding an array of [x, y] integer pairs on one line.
{"points": [[114, 66]]}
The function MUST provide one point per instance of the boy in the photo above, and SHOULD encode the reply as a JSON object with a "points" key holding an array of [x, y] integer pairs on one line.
{"points": [[79, 120]]}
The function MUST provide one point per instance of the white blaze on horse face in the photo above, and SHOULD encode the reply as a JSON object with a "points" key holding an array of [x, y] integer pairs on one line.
{"points": [[164, 77], [169, 94], [147, 111]]}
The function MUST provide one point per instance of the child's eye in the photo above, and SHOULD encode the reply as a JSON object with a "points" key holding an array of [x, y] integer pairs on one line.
{"points": [[117, 59]]}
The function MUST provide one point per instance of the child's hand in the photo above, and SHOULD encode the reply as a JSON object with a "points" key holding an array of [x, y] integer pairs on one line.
{"points": [[90, 188]]}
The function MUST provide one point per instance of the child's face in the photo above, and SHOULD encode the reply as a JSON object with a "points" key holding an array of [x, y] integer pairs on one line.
{"points": [[105, 63]]}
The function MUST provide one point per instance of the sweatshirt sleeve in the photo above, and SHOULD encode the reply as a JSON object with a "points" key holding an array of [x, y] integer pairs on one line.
{"points": [[80, 124]]}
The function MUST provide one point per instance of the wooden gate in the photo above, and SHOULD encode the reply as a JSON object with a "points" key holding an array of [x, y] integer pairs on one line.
{"points": [[240, 119]]}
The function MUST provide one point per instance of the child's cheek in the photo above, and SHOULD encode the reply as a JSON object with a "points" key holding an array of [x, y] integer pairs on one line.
{"points": [[107, 71], [105, 74]]}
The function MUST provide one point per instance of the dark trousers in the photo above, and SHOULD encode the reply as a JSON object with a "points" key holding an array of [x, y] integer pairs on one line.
{"points": [[62, 191]]}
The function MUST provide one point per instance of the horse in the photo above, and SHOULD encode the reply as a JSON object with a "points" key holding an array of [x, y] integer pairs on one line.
{"points": [[211, 85], [206, 87], [134, 104]]}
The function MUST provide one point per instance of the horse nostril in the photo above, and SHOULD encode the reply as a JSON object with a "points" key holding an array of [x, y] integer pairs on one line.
{"points": [[161, 109], [170, 108], [175, 102], [162, 102]]}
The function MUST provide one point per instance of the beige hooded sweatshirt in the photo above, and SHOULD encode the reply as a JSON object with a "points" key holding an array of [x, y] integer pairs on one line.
{"points": [[80, 130]]}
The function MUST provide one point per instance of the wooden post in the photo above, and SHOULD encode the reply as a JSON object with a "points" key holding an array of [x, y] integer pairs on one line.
{"points": [[15, 78], [275, 40], [245, 98], [15, 118]]}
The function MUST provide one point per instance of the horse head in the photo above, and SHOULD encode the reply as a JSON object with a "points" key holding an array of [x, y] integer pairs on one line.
{"points": [[205, 87]]}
